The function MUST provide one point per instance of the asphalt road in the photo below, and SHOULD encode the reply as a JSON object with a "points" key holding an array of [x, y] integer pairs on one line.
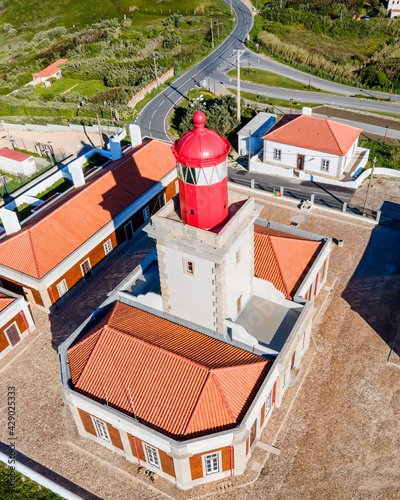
{"points": [[325, 194], [152, 118]]}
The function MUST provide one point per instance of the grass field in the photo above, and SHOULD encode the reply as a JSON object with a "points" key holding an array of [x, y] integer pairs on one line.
{"points": [[269, 79], [271, 101], [63, 85], [36, 13]]}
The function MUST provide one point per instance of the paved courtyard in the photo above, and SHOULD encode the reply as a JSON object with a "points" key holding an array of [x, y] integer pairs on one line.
{"points": [[336, 436]]}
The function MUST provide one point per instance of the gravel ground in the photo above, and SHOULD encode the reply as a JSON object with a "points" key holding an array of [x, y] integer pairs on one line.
{"points": [[338, 427]]}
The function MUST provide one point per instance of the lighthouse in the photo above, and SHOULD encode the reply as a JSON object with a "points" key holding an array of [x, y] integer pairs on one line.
{"points": [[201, 157]]}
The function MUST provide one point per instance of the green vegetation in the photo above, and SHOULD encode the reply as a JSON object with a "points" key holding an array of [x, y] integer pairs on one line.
{"points": [[114, 49], [269, 79], [332, 40], [220, 112], [262, 99], [57, 187], [23, 488], [96, 160], [388, 156], [64, 85]]}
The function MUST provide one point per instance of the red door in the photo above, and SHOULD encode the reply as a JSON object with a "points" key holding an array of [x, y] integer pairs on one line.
{"points": [[300, 162]]}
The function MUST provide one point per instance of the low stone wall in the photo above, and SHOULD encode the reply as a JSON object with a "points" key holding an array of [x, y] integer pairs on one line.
{"points": [[142, 93], [30, 127]]}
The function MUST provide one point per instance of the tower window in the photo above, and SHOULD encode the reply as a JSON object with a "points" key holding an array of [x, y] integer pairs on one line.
{"points": [[191, 211], [237, 256], [188, 267]]}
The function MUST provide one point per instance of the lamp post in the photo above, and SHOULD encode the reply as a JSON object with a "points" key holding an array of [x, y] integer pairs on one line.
{"points": [[239, 53], [291, 103]]}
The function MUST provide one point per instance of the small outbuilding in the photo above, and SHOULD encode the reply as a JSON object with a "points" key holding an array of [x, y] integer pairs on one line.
{"points": [[52, 71], [16, 163], [250, 136]]}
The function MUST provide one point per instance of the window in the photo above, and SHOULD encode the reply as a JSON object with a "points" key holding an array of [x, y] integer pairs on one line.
{"points": [[13, 334], [304, 340], [152, 455], [101, 429], [176, 187], [268, 403], [237, 256], [325, 165], [107, 247], [188, 267], [211, 463], [146, 214], [86, 268], [277, 154], [62, 288]]}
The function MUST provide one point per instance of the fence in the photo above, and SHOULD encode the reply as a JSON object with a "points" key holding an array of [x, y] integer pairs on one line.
{"points": [[335, 204]]}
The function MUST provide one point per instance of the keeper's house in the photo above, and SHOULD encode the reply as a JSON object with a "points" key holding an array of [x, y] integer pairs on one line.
{"points": [[58, 248]]}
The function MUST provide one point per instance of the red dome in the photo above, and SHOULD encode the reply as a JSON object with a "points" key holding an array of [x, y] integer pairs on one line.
{"points": [[201, 147]]}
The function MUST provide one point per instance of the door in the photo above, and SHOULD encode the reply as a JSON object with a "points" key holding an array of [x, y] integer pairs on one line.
{"points": [[86, 269], [128, 230], [300, 162]]}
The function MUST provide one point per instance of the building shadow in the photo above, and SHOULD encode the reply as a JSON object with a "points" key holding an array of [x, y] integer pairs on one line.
{"points": [[129, 193], [374, 289]]}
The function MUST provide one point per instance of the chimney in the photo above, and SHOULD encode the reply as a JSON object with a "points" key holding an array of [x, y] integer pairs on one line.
{"points": [[76, 171], [10, 221], [115, 149], [136, 136], [306, 111]]}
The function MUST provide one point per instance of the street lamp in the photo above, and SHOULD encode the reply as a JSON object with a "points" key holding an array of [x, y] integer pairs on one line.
{"points": [[291, 103]]}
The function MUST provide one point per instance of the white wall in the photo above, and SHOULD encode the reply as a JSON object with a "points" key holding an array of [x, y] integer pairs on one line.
{"points": [[239, 275], [25, 167], [190, 296]]}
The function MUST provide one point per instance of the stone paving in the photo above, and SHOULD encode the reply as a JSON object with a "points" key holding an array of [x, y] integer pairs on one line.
{"points": [[336, 434]]}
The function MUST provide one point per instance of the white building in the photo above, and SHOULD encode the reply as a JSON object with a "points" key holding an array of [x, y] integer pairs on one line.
{"points": [[183, 381], [393, 8], [16, 163], [250, 136], [316, 146]]}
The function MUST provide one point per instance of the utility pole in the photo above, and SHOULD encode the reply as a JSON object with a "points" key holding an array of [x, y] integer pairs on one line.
{"points": [[239, 53], [100, 134], [384, 139], [212, 35], [369, 185]]}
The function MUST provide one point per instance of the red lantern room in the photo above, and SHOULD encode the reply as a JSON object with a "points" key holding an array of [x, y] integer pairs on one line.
{"points": [[203, 175]]}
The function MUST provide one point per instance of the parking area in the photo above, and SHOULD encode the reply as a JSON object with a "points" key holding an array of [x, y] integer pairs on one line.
{"points": [[336, 434]]}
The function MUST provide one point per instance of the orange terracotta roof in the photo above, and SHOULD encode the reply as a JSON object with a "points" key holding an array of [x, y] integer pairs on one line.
{"points": [[317, 134], [81, 213], [51, 69], [5, 301], [174, 379], [282, 258], [14, 155]]}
